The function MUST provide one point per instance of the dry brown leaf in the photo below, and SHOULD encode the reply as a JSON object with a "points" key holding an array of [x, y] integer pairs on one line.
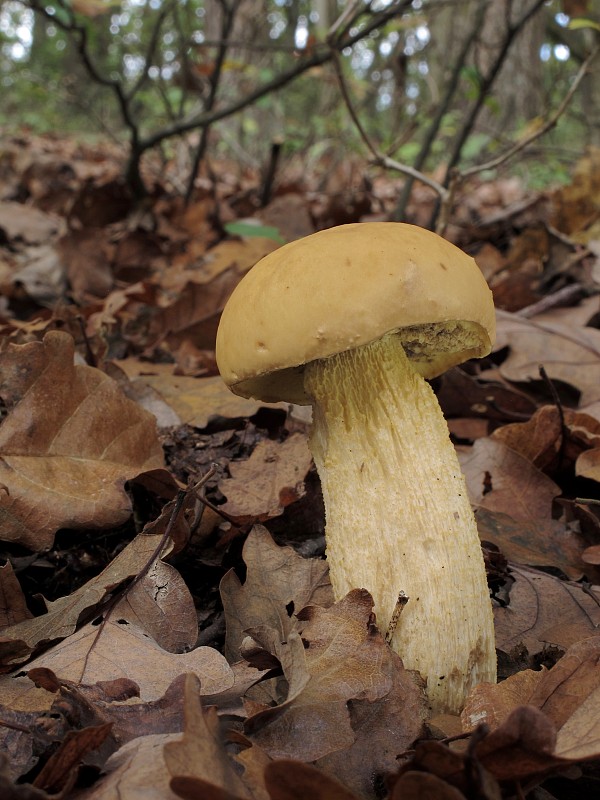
{"points": [[69, 443], [254, 761], [272, 478], [579, 737], [540, 440], [60, 771], [570, 682], [336, 656], [279, 583], [87, 255], [116, 651], [27, 224], [136, 770], [423, 786], [537, 542], [13, 605], [383, 728], [197, 401], [196, 310], [198, 762], [501, 480], [162, 606], [568, 695], [522, 748], [544, 610], [63, 614], [291, 780], [568, 354], [492, 703], [588, 465]]}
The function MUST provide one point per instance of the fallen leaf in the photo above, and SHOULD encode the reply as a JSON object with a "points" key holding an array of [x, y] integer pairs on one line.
{"points": [[499, 479], [264, 484], [197, 401], [70, 441], [337, 655], [116, 651], [198, 761], [63, 614], [136, 770], [536, 542], [279, 583], [568, 354], [13, 605], [492, 703], [579, 737], [545, 610], [291, 780], [60, 771], [162, 606], [383, 728], [27, 224]]}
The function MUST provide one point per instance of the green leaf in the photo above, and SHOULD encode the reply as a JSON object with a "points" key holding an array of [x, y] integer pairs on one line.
{"points": [[249, 229], [581, 22]]}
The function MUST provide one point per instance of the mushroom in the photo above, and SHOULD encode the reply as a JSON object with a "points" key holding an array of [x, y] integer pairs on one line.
{"points": [[353, 320]]}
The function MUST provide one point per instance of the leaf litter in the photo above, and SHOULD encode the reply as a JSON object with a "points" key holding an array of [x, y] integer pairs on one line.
{"points": [[223, 668]]}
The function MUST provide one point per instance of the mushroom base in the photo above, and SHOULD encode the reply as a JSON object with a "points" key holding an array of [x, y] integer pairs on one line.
{"points": [[398, 517]]}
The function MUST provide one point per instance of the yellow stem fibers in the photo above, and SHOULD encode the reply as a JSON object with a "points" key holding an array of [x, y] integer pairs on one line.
{"points": [[398, 516]]}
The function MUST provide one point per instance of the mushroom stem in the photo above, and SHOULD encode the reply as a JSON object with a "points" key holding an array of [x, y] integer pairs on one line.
{"points": [[398, 515]]}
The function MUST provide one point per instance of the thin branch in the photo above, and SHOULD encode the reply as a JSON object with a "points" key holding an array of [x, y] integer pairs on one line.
{"points": [[228, 17], [316, 58], [441, 109], [547, 126], [380, 159]]}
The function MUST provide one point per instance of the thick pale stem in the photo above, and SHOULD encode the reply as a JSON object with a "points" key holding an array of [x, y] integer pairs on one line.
{"points": [[398, 516]]}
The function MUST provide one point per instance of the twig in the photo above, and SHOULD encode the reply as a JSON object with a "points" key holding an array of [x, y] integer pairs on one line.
{"points": [[177, 505], [380, 159], [564, 431], [558, 298], [441, 110], [271, 171], [547, 126]]}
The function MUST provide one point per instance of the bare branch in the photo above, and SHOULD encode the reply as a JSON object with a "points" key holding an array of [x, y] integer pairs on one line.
{"points": [[547, 126], [380, 159]]}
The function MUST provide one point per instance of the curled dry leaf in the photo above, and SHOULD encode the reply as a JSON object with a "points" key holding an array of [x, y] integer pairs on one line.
{"points": [[292, 780], [136, 770], [278, 583], [13, 605], [70, 441], [63, 614], [272, 478], [115, 651], [337, 655], [60, 771], [198, 762], [162, 606]]}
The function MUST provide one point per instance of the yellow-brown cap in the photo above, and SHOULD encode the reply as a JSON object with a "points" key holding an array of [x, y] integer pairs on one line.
{"points": [[344, 287]]}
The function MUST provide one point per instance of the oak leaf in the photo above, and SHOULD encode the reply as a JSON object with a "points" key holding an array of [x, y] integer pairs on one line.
{"points": [[70, 441]]}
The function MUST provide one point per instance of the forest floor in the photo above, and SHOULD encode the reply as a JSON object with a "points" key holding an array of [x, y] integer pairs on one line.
{"points": [[167, 627]]}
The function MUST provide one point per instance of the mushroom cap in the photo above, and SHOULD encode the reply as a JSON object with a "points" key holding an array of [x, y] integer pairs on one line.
{"points": [[347, 286]]}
